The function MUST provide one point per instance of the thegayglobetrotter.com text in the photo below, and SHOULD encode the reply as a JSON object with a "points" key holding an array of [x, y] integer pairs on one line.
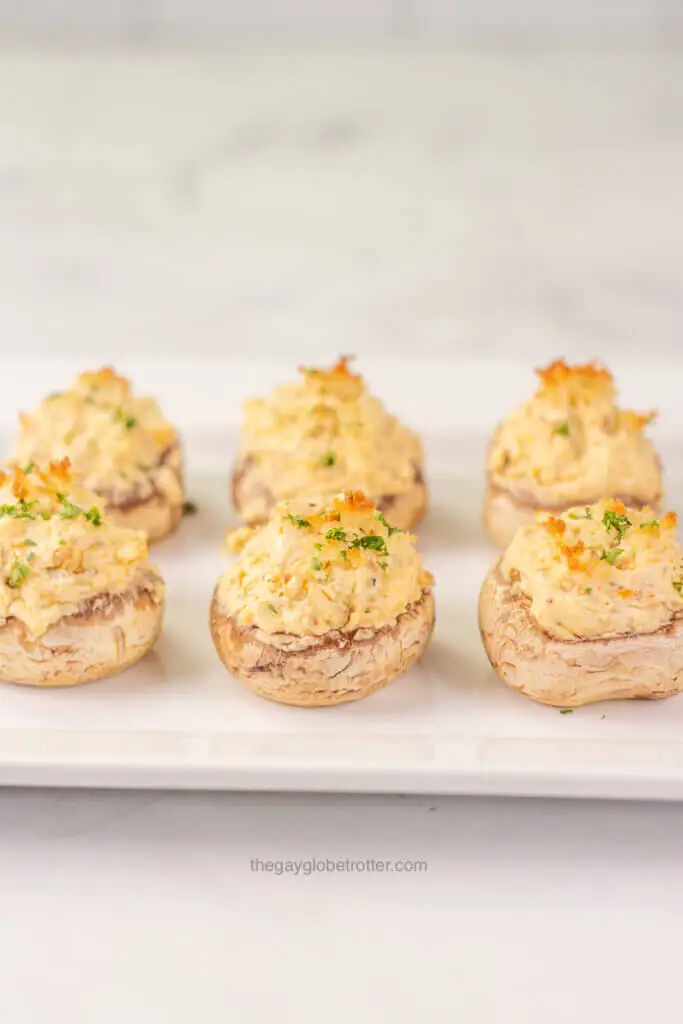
{"points": [[329, 865]]}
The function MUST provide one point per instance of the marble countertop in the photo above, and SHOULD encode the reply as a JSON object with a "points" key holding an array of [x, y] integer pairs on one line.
{"points": [[209, 202], [489, 204], [143, 908]]}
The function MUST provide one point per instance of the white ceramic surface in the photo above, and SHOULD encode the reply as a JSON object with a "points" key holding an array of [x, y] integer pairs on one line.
{"points": [[449, 726]]}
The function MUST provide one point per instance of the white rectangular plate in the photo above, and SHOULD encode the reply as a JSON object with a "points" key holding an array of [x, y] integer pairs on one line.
{"points": [[179, 720]]}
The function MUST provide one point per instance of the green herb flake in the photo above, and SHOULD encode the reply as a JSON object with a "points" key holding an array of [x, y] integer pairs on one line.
{"points": [[611, 556], [383, 565], [94, 516], [190, 509], [678, 585], [566, 711], [371, 542], [299, 521], [316, 565], [62, 543], [588, 590], [390, 529], [617, 522], [318, 547], [22, 510], [345, 555], [122, 417], [587, 514], [18, 575], [30, 466], [329, 459], [69, 510], [28, 543], [562, 429], [336, 534], [650, 523], [30, 556], [273, 609]]}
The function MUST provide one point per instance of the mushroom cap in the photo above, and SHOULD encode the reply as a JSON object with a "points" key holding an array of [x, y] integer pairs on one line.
{"points": [[313, 671], [109, 633], [158, 513], [571, 673]]}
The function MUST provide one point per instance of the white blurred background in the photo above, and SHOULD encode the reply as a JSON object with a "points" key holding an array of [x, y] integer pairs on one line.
{"points": [[483, 179]]}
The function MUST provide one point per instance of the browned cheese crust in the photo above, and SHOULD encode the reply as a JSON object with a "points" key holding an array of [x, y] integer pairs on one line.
{"points": [[571, 673], [316, 671], [108, 634]]}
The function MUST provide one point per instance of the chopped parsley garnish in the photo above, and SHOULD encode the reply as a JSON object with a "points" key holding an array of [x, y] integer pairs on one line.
{"points": [[69, 510], [649, 523], [617, 522], [273, 609], [611, 556], [336, 533], [190, 509], [562, 429], [18, 574], [316, 565], [329, 459], [345, 555], [299, 521], [566, 711], [94, 516], [371, 542], [29, 543], [678, 585], [30, 556], [390, 529], [30, 466], [588, 514], [128, 421], [22, 510], [318, 547], [383, 565]]}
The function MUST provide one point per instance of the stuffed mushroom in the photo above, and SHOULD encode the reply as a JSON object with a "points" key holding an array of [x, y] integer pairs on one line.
{"points": [[568, 445], [120, 447], [587, 606], [323, 435], [327, 603], [78, 598]]}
